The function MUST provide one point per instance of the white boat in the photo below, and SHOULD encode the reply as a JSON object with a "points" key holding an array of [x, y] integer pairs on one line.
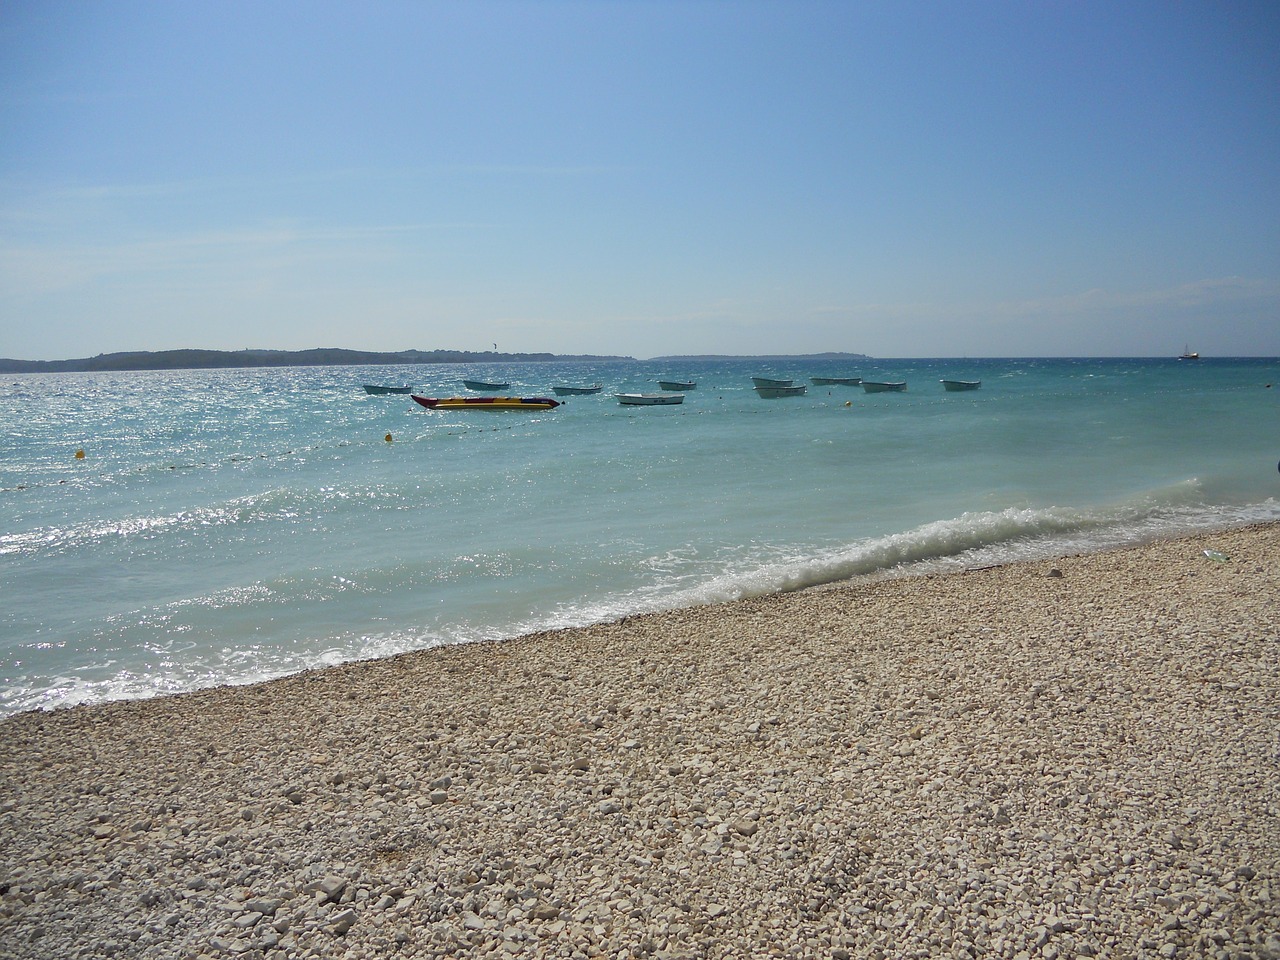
{"points": [[1188, 354], [677, 385], [649, 399], [769, 382], [577, 391], [957, 385], [883, 386], [485, 385], [773, 393]]}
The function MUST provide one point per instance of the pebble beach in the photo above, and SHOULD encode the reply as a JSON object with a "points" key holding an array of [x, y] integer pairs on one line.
{"points": [[1051, 759]]}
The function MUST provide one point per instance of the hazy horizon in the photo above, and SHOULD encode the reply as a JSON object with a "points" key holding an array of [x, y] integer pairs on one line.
{"points": [[644, 178], [607, 357]]}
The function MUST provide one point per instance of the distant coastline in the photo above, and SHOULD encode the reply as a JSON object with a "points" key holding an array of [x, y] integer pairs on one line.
{"points": [[221, 359], [698, 357], [326, 357]]}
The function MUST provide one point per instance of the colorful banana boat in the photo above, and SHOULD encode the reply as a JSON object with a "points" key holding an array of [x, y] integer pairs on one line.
{"points": [[487, 403]]}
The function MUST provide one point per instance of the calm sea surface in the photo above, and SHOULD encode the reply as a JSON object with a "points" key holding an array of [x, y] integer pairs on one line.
{"points": [[230, 526]]}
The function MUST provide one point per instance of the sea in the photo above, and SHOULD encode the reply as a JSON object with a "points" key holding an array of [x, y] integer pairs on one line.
{"points": [[167, 531]]}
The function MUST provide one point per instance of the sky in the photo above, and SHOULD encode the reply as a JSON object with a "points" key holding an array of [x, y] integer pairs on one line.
{"points": [[641, 177]]}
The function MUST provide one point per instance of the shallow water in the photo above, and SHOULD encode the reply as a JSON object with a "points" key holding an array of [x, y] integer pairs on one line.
{"points": [[228, 526]]}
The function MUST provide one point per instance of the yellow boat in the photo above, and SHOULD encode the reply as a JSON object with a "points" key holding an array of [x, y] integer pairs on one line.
{"points": [[487, 403]]}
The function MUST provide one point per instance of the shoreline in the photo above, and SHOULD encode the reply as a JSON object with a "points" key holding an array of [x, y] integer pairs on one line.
{"points": [[1077, 756]]}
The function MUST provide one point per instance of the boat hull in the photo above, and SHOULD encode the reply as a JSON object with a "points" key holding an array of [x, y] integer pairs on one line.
{"points": [[773, 393], [769, 382], [485, 385], [487, 403], [375, 390], [677, 385], [874, 386], [649, 399], [576, 391], [956, 386]]}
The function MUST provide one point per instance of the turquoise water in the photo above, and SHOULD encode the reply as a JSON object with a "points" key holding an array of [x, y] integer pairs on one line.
{"points": [[229, 526]]}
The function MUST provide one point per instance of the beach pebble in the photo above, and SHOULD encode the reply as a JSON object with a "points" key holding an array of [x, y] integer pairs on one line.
{"points": [[343, 921], [969, 766], [328, 889]]}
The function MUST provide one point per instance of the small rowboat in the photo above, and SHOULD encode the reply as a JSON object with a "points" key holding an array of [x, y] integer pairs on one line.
{"points": [[487, 403], [485, 385], [677, 385], [376, 390], [576, 391], [649, 399], [767, 382], [955, 385], [874, 386], [773, 393], [836, 381]]}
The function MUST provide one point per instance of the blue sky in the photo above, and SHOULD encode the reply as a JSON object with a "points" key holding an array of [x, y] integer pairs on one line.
{"points": [[641, 177]]}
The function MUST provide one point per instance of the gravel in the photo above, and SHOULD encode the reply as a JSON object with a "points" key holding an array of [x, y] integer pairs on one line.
{"points": [[1045, 760]]}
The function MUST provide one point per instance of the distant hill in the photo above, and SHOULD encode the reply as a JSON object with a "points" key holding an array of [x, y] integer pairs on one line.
{"points": [[781, 356], [324, 357], [335, 357]]}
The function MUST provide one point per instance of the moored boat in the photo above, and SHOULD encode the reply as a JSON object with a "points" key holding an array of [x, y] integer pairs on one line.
{"points": [[649, 399], [956, 385], [770, 382], [576, 391], [836, 381], [375, 389], [884, 386], [487, 403], [677, 385], [485, 385], [773, 393]]}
